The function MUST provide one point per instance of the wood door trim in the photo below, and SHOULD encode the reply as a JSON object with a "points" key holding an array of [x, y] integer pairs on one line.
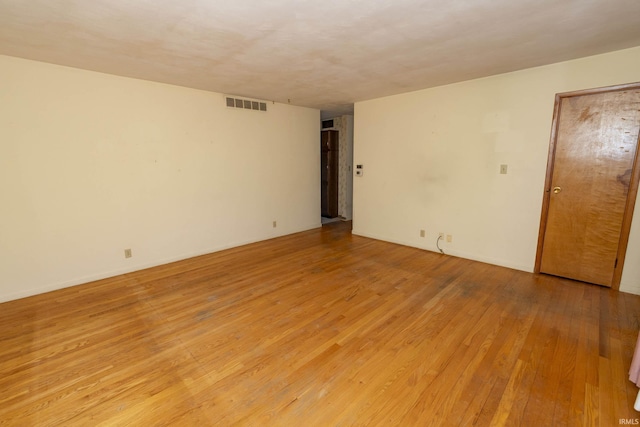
{"points": [[547, 182], [628, 217], [632, 191]]}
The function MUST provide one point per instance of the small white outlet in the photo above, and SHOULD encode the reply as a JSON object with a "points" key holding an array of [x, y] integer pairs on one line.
{"points": [[127, 253], [422, 233], [275, 224], [503, 169], [449, 238]]}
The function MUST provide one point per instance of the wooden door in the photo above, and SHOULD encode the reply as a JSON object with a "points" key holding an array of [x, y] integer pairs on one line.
{"points": [[591, 185], [329, 173]]}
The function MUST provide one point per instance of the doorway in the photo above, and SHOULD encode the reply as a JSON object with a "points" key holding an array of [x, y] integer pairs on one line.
{"points": [[340, 130], [591, 185], [329, 157]]}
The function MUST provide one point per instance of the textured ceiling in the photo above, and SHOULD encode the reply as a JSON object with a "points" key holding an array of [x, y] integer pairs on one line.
{"points": [[321, 54]]}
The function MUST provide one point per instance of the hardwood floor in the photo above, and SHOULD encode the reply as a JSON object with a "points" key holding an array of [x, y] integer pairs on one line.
{"points": [[320, 328]]}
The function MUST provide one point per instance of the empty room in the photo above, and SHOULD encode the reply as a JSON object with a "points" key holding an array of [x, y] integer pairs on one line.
{"points": [[337, 213]]}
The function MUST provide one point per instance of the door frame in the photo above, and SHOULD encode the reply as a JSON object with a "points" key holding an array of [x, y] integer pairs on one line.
{"points": [[631, 195]]}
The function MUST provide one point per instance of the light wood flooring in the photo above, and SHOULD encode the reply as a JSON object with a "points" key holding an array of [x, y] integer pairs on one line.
{"points": [[320, 328]]}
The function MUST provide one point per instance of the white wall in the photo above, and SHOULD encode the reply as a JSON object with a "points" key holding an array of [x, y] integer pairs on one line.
{"points": [[431, 161], [91, 164]]}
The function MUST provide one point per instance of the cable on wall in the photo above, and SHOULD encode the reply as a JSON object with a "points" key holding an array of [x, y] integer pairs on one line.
{"points": [[438, 244]]}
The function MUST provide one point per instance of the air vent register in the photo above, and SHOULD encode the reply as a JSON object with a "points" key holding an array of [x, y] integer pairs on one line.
{"points": [[245, 104]]}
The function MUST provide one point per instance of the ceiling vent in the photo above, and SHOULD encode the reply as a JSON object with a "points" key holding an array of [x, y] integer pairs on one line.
{"points": [[326, 124], [245, 104]]}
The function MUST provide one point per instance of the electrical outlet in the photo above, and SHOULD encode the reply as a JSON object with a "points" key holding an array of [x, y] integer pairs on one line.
{"points": [[275, 224], [127, 253], [503, 169], [422, 233], [449, 238]]}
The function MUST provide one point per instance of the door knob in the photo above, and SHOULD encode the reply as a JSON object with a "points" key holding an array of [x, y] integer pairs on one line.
{"points": [[556, 190]]}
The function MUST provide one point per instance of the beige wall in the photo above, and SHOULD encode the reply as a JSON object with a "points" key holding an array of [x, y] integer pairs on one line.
{"points": [[348, 163], [431, 161], [344, 125], [91, 164]]}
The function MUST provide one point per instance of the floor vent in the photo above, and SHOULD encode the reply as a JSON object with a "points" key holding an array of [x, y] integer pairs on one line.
{"points": [[245, 104]]}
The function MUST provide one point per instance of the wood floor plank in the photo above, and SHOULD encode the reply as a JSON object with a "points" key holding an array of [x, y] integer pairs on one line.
{"points": [[320, 328]]}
